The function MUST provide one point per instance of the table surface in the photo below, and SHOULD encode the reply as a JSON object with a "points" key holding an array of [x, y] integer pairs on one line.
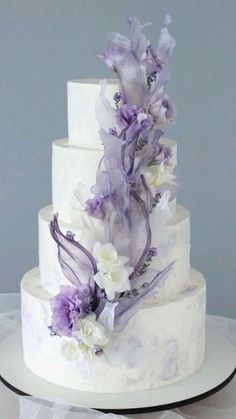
{"points": [[221, 405]]}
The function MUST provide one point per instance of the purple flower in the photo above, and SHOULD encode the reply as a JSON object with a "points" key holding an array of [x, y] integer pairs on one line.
{"points": [[133, 119], [118, 97], [162, 109], [112, 131], [68, 306], [94, 205], [126, 57], [162, 154], [97, 350]]}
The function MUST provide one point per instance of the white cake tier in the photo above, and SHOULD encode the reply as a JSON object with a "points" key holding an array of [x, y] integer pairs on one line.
{"points": [[82, 94], [161, 344], [175, 248], [72, 165]]}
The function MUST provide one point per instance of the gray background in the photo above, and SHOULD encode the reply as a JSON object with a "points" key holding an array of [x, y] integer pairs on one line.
{"points": [[45, 43]]}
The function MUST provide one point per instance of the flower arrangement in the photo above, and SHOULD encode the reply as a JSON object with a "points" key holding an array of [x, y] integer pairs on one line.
{"points": [[112, 276]]}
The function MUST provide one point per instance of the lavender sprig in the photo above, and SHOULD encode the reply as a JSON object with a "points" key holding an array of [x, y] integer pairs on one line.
{"points": [[152, 252], [156, 199]]}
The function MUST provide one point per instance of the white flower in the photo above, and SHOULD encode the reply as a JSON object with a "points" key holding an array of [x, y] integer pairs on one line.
{"points": [[71, 350], [107, 256], [157, 174], [113, 274], [115, 280], [91, 332]]}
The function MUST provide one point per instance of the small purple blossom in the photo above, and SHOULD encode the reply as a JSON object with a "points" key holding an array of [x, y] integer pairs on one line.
{"points": [[70, 235], [97, 350], [112, 131], [151, 253], [156, 199], [118, 97], [68, 306], [94, 205]]}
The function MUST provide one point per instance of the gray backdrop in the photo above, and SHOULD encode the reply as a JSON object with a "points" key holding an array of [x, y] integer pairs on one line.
{"points": [[44, 43]]}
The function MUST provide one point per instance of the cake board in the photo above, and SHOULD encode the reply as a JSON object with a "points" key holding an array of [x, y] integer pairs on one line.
{"points": [[217, 371]]}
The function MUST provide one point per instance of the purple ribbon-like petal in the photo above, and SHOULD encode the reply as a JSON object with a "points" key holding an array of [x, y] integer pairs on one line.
{"points": [[77, 263], [128, 306]]}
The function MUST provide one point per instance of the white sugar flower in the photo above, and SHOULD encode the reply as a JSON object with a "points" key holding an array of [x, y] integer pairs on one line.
{"points": [[71, 350], [91, 332], [157, 174], [116, 280], [107, 256], [113, 274]]}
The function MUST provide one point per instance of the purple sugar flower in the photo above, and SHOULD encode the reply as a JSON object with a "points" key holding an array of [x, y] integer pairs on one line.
{"points": [[68, 306], [112, 131], [117, 98], [94, 205], [162, 154], [162, 109], [125, 56], [133, 119]]}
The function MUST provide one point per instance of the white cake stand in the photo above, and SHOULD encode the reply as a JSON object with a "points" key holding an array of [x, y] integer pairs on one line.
{"points": [[217, 370]]}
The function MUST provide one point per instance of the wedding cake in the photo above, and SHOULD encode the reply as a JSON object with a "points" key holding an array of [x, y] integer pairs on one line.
{"points": [[114, 305]]}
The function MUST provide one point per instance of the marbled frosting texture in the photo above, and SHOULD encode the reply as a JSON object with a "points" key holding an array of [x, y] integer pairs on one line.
{"points": [[162, 343]]}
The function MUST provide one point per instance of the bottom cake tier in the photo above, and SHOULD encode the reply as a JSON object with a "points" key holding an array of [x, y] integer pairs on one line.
{"points": [[161, 344]]}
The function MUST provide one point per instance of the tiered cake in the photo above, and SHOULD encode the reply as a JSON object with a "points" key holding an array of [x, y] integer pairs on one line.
{"points": [[114, 305]]}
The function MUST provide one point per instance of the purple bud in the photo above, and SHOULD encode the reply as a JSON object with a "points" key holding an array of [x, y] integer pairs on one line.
{"points": [[94, 205], [118, 97], [70, 235], [112, 131], [97, 350]]}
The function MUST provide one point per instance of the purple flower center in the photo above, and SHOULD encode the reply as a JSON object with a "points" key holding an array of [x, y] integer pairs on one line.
{"points": [[94, 205]]}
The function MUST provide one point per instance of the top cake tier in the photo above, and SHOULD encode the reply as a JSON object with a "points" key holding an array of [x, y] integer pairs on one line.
{"points": [[82, 123]]}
